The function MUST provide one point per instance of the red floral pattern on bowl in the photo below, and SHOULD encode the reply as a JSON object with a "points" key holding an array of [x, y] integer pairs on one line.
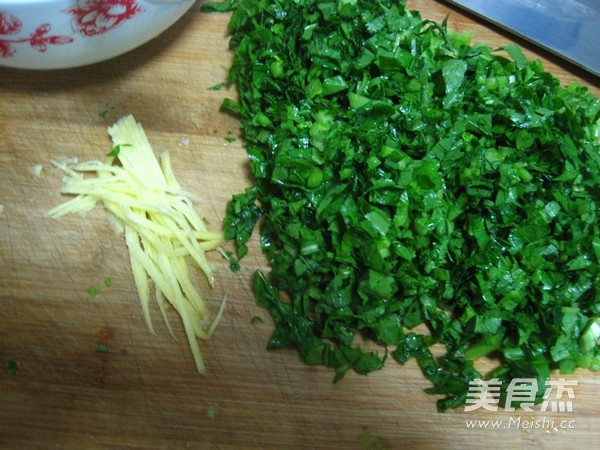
{"points": [[92, 17], [39, 39], [51, 34]]}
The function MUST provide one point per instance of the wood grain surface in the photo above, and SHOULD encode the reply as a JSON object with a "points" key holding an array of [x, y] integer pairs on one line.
{"points": [[144, 392]]}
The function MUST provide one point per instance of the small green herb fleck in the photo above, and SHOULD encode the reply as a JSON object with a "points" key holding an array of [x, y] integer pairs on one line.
{"points": [[370, 441], [234, 264], [117, 149], [101, 348], [212, 412], [108, 282], [256, 319], [13, 366], [216, 87], [93, 291], [230, 139], [102, 114]]}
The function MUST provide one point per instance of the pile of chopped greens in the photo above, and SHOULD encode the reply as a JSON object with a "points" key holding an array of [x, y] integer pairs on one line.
{"points": [[413, 188]]}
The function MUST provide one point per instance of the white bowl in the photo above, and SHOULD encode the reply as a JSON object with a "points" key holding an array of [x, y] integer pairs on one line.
{"points": [[59, 34]]}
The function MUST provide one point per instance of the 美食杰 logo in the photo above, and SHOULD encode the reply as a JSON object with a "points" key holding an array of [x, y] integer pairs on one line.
{"points": [[485, 394]]}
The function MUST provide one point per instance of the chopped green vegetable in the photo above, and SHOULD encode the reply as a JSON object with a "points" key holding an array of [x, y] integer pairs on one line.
{"points": [[216, 87], [101, 348], [102, 114], [370, 441], [217, 7], [93, 291], [13, 366], [404, 176], [212, 411], [108, 282], [256, 319], [234, 264], [117, 149]]}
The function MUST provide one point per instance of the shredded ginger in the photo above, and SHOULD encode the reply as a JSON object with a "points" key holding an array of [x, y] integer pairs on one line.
{"points": [[162, 230]]}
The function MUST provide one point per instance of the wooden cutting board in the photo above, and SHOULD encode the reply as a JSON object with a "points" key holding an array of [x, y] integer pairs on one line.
{"points": [[60, 389]]}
